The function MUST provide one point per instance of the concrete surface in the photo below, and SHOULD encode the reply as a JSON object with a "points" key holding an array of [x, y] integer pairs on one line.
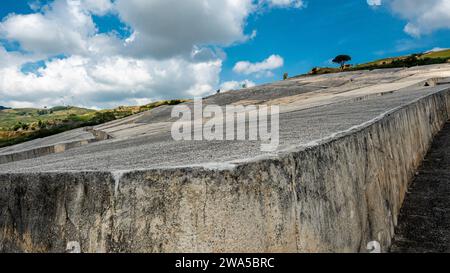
{"points": [[349, 145]]}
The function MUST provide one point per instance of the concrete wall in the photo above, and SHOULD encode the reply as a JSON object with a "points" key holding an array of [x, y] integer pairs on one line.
{"points": [[448, 103], [334, 197], [54, 149], [42, 151], [98, 134]]}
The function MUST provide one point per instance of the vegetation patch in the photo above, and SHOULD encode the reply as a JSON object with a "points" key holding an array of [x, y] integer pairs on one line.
{"points": [[21, 125], [436, 57]]}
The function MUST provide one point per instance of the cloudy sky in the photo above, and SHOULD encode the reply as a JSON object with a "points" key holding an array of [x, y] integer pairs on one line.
{"points": [[106, 53]]}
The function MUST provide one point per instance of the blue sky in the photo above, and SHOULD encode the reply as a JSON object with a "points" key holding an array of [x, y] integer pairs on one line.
{"points": [[132, 52], [312, 36]]}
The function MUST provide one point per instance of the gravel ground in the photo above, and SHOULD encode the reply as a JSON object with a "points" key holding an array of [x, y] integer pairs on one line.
{"points": [[424, 223]]}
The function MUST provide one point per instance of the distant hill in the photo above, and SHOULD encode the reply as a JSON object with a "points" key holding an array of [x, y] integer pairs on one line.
{"points": [[3, 108], [427, 58], [432, 57], [20, 125]]}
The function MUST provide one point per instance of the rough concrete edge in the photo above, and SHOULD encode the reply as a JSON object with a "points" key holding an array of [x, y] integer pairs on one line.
{"points": [[98, 134], [42, 151], [60, 147], [340, 134]]}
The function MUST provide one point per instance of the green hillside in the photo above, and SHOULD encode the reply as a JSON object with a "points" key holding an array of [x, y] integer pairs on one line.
{"points": [[20, 125], [436, 57], [438, 54], [12, 117]]}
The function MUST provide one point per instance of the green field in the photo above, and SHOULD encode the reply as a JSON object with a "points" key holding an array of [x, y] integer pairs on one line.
{"points": [[20, 125]]}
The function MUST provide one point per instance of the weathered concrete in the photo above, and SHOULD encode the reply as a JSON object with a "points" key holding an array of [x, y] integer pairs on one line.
{"points": [[98, 134], [58, 147], [41, 151], [337, 182]]}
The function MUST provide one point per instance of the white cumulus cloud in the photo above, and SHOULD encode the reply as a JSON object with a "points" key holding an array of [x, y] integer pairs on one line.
{"points": [[287, 3], [236, 85], [174, 50], [271, 63], [423, 17], [170, 27], [107, 82], [374, 2]]}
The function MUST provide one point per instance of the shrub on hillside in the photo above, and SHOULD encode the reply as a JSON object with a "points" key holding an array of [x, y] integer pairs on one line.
{"points": [[102, 117]]}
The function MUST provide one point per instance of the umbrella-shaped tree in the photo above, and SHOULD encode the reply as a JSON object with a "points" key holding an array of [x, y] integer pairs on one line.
{"points": [[341, 60]]}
